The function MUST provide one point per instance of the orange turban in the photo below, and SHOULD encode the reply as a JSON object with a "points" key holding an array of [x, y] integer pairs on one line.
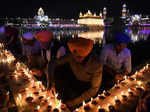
{"points": [[80, 46], [44, 36]]}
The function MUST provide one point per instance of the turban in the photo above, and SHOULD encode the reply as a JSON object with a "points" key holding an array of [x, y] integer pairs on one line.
{"points": [[44, 36], [28, 36], [80, 46], [122, 38]]}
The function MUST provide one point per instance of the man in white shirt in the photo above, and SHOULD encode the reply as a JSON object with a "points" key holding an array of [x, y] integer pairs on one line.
{"points": [[116, 58]]}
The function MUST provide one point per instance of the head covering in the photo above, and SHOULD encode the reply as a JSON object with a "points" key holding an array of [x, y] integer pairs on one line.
{"points": [[2, 30], [28, 36], [122, 38], [80, 46], [44, 36]]}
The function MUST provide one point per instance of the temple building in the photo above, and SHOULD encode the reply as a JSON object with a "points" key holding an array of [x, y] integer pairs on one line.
{"points": [[41, 19], [91, 20]]}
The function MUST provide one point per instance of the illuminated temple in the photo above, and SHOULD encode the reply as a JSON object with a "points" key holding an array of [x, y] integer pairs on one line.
{"points": [[93, 21]]}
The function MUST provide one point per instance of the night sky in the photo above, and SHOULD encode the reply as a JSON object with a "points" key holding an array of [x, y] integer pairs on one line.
{"points": [[68, 8]]}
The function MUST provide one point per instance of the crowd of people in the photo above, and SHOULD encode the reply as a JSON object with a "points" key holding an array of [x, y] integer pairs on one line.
{"points": [[72, 70]]}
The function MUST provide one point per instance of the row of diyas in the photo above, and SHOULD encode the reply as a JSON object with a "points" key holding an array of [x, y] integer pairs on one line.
{"points": [[6, 57], [35, 97], [1, 46], [123, 92]]}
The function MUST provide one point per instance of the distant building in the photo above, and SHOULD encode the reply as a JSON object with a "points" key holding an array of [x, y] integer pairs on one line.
{"points": [[91, 20], [124, 11], [42, 19], [104, 13]]}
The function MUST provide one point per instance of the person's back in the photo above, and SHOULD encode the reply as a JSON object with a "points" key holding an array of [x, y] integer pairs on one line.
{"points": [[116, 58]]}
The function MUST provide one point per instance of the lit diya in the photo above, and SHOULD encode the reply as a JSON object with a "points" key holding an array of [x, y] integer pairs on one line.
{"points": [[101, 97], [117, 86], [29, 99], [124, 97], [49, 108], [87, 107], [111, 108], [41, 97], [140, 89], [94, 102], [55, 110], [106, 93], [117, 101], [101, 109], [36, 93], [63, 107], [131, 79], [130, 92]]}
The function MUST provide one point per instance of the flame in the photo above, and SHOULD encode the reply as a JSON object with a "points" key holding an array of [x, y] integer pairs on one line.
{"points": [[129, 90], [125, 77], [83, 103], [116, 97], [56, 95], [122, 93], [38, 107], [99, 107], [50, 103], [91, 99], [139, 83]]}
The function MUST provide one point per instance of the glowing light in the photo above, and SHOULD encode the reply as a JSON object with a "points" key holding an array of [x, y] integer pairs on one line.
{"points": [[116, 98], [129, 90], [83, 104], [122, 93], [38, 107], [50, 103], [99, 107], [91, 99], [90, 19]]}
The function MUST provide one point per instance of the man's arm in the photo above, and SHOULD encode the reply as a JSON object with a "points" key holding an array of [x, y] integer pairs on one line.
{"points": [[51, 68], [91, 92]]}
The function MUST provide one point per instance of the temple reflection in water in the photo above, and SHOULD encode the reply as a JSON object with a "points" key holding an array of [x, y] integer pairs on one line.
{"points": [[97, 37]]}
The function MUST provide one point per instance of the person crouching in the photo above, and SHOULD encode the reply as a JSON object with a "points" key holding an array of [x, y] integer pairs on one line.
{"points": [[77, 76]]}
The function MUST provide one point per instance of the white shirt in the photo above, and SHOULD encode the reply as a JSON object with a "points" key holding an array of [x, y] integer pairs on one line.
{"points": [[119, 62]]}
